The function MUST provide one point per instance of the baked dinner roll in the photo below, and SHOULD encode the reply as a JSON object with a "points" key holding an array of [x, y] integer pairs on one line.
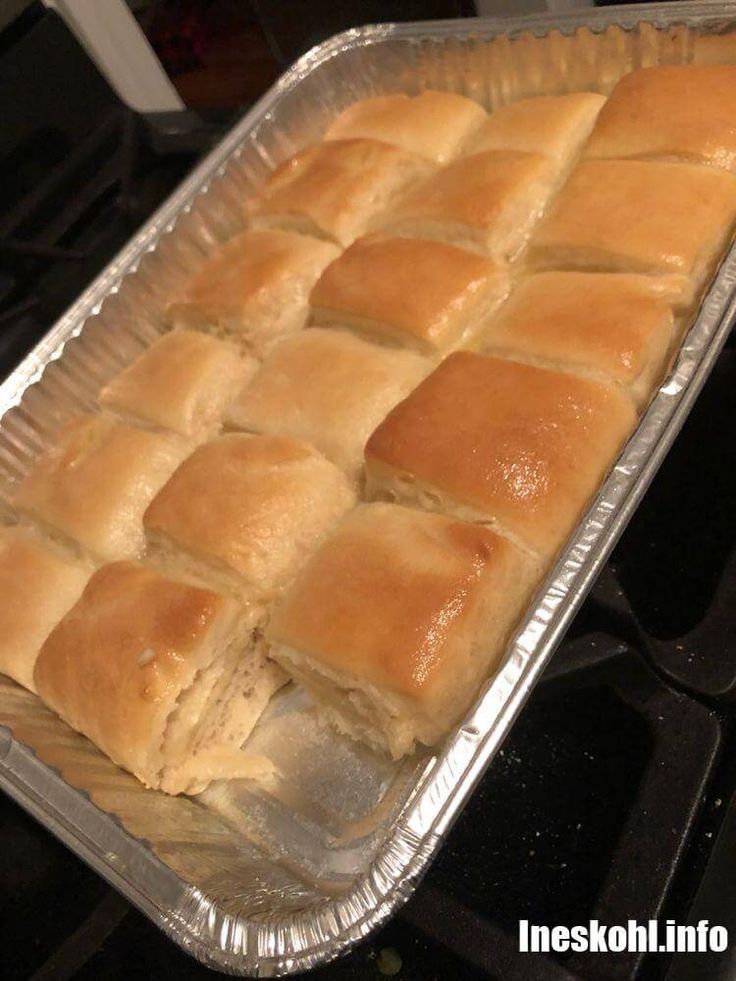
{"points": [[409, 291], [398, 619], [91, 487], [610, 326], [631, 216], [431, 124], [713, 49], [553, 125], [517, 447], [166, 678], [182, 383], [487, 202], [254, 289], [675, 112], [38, 586], [333, 190], [242, 513], [328, 388]]}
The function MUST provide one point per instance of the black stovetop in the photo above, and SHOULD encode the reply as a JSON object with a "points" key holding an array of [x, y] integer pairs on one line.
{"points": [[613, 798]]}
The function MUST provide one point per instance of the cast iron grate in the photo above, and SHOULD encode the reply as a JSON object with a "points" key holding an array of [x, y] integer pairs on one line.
{"points": [[612, 798]]}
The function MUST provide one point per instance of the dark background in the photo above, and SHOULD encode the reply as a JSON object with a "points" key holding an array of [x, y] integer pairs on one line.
{"points": [[613, 795]]}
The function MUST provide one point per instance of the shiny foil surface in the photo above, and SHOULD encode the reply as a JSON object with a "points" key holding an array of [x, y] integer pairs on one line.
{"points": [[270, 881]]}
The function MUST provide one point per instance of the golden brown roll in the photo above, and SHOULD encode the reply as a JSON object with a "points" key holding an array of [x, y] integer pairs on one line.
{"points": [[409, 291], [182, 384], [243, 513], [610, 326], [333, 190], [397, 621], [91, 487], [38, 585], [254, 289], [431, 124], [713, 49], [487, 202], [634, 216], [327, 388], [166, 678], [517, 447], [670, 112], [553, 125]]}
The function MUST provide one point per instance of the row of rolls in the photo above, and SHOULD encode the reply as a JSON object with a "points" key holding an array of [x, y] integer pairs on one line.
{"points": [[378, 412]]}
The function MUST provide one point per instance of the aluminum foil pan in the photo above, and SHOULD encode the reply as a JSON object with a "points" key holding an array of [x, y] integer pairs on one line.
{"points": [[270, 883]]}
